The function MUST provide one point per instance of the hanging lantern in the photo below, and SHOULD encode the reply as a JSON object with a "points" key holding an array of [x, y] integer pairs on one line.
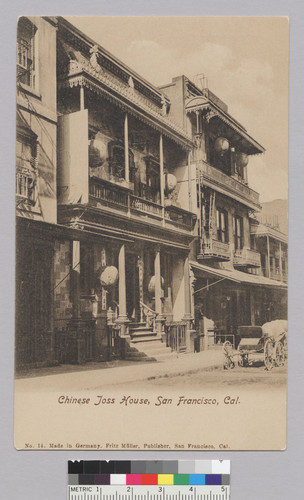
{"points": [[109, 276], [241, 159], [221, 145], [170, 183], [151, 286]]}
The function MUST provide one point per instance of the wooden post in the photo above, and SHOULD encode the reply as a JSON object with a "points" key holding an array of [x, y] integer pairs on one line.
{"points": [[126, 142], [187, 301], [81, 98], [189, 181], [251, 300], [75, 281], [158, 292], [161, 173], [268, 256], [122, 318], [280, 261]]}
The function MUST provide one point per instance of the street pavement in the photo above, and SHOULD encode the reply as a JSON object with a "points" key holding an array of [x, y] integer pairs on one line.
{"points": [[115, 373]]}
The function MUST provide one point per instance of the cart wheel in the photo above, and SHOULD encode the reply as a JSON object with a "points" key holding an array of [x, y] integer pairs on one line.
{"points": [[279, 354], [228, 363], [269, 354]]}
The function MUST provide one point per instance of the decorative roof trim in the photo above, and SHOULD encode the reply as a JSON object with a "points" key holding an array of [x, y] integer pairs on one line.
{"points": [[140, 111], [200, 103]]}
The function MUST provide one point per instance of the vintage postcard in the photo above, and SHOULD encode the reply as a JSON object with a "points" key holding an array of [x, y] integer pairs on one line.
{"points": [[151, 223]]}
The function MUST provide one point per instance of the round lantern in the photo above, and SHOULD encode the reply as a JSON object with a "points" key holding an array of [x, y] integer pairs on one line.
{"points": [[109, 276], [170, 183], [241, 159], [221, 145], [151, 286]]}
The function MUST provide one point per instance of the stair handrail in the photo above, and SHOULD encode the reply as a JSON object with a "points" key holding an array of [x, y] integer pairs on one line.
{"points": [[152, 317]]}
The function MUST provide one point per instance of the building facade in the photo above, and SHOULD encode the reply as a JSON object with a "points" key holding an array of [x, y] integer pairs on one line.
{"points": [[132, 202]]}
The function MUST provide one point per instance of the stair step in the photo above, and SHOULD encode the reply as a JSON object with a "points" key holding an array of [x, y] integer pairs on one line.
{"points": [[136, 324], [141, 329], [145, 339], [145, 333], [145, 359]]}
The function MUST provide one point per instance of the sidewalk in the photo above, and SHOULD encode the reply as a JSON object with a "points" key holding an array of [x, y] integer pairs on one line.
{"points": [[113, 374]]}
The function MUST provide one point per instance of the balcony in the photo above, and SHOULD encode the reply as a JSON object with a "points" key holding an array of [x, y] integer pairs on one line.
{"points": [[247, 258], [215, 250], [113, 197], [228, 186], [275, 275]]}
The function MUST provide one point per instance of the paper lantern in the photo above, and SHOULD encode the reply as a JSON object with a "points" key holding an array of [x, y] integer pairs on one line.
{"points": [[151, 286], [170, 183], [109, 276], [241, 159], [221, 145]]}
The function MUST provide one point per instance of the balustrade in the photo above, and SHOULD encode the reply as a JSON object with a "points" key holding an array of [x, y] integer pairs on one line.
{"points": [[233, 187], [112, 195]]}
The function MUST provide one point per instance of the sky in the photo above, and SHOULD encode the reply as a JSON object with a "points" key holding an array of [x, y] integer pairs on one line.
{"points": [[245, 61]]}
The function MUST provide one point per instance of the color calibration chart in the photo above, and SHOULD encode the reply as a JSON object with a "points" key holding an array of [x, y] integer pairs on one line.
{"points": [[149, 480]]}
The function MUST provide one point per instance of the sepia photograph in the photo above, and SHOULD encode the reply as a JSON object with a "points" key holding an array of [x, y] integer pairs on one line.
{"points": [[151, 233]]}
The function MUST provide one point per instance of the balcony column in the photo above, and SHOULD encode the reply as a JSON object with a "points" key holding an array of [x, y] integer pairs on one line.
{"points": [[75, 279], [81, 97], [161, 174], [122, 318], [245, 175], [189, 181], [126, 142], [158, 293], [187, 301], [280, 261], [268, 257]]}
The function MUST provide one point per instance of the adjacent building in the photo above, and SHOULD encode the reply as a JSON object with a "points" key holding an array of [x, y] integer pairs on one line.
{"points": [[134, 215]]}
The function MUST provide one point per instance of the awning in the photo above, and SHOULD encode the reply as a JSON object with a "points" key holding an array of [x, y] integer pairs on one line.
{"points": [[236, 276]]}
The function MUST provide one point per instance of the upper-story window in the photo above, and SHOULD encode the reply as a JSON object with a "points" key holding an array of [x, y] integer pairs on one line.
{"points": [[222, 225], [117, 161], [26, 48], [25, 169], [238, 231]]}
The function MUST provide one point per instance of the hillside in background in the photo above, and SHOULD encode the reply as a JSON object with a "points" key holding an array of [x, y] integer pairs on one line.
{"points": [[275, 213]]}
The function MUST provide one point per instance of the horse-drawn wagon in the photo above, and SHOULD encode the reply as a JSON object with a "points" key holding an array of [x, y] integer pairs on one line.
{"points": [[268, 342]]}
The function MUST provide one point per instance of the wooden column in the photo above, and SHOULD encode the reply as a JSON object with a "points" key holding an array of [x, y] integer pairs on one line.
{"points": [[158, 292], [251, 301], [268, 256], [81, 98], [126, 142], [75, 279], [122, 318], [187, 301], [189, 181], [161, 172], [245, 175], [280, 261]]}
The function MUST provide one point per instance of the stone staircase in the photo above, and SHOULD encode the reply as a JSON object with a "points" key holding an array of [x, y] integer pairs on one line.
{"points": [[145, 345]]}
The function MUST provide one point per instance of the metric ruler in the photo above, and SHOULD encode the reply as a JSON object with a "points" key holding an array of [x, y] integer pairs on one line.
{"points": [[151, 480], [203, 492]]}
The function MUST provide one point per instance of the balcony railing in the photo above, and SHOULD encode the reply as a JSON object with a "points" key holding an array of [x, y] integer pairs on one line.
{"points": [[228, 185], [146, 206], [120, 198], [110, 194], [214, 249], [247, 258], [178, 216]]}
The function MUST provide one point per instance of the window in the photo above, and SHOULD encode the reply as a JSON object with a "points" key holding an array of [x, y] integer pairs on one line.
{"points": [[26, 173], [222, 225], [238, 231], [26, 52], [117, 161]]}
